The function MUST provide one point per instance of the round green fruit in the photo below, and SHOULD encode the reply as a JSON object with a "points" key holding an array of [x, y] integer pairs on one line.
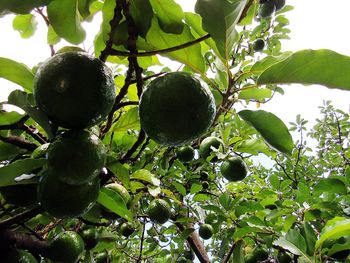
{"points": [[204, 176], [74, 89], [176, 108], [121, 190], [205, 148], [266, 9], [19, 256], [159, 211], [283, 257], [126, 229], [90, 237], [185, 154], [206, 231], [102, 257], [205, 185], [258, 44], [234, 169], [21, 194], [77, 156], [65, 247], [279, 4], [260, 254], [64, 200]]}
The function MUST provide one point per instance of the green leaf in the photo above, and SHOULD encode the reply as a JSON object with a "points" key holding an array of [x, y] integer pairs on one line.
{"points": [[23, 100], [114, 202], [157, 39], [274, 181], [180, 188], [219, 18], [8, 118], [146, 176], [186, 233], [195, 188], [257, 94], [52, 37], [324, 67], [252, 146], [21, 6], [9, 151], [310, 237], [142, 13], [170, 15], [238, 252], [10, 172], [267, 62], [129, 120], [84, 7], [241, 232], [271, 128], [25, 25], [200, 198], [330, 185], [215, 209], [17, 73], [335, 228], [120, 171], [66, 23]]}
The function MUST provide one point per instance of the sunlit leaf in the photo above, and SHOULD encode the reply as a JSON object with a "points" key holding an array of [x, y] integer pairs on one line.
{"points": [[146, 176], [25, 25], [129, 120]]}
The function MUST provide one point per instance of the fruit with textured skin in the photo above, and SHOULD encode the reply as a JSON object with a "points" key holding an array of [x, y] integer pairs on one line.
{"points": [[19, 256], [185, 154], [77, 156], [266, 9], [204, 176], [126, 229], [159, 211], [121, 190], [250, 258], [258, 44], [205, 148], [176, 108], [234, 169], [205, 231], [283, 257], [260, 253], [90, 237], [21, 194], [74, 89], [64, 200], [279, 4]]}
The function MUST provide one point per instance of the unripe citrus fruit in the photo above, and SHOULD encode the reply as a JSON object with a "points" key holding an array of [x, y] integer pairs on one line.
{"points": [[260, 253], [204, 175], [258, 44], [19, 256], [65, 200], [176, 108], [77, 156], [266, 9], [74, 89], [102, 257], [205, 148], [206, 231], [250, 258], [21, 194], [283, 257], [185, 154], [234, 169], [90, 237], [65, 247], [121, 190], [159, 211], [126, 229]]}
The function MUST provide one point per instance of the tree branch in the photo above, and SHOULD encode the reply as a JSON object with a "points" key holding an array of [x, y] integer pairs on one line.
{"points": [[19, 142], [20, 218]]}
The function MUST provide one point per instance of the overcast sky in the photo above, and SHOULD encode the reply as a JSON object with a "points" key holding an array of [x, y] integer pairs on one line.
{"points": [[314, 24]]}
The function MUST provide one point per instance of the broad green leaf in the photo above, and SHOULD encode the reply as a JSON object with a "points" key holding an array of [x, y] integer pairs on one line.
{"points": [[84, 7], [191, 56], [120, 171], [310, 237], [7, 118], [142, 13], [170, 15], [17, 73], [52, 37], [186, 233], [21, 6], [129, 120], [215, 209], [267, 62], [324, 67], [66, 24], [257, 94], [146, 176], [219, 18], [335, 228], [25, 25], [241, 232], [9, 151], [330, 185], [252, 146], [195, 188], [24, 101], [271, 128], [250, 15], [238, 254], [114, 202], [10, 172], [180, 188], [294, 242], [200, 198], [274, 181]]}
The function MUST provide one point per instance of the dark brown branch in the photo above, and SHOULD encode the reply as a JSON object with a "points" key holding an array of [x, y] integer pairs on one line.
{"points": [[227, 257], [19, 142], [20, 218], [47, 22], [245, 10], [133, 149], [142, 240], [160, 51]]}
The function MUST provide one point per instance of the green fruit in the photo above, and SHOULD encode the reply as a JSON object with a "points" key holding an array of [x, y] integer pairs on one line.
{"points": [[90, 237], [126, 229], [258, 44], [20, 195], [205, 185], [65, 200], [205, 148], [283, 257], [65, 247], [74, 89], [159, 211], [185, 154], [279, 4], [204, 176], [250, 258], [260, 253], [176, 108], [206, 231], [266, 9], [77, 156], [102, 257], [234, 169], [19, 256], [119, 189]]}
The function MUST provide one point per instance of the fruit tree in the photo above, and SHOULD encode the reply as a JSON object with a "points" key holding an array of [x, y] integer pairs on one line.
{"points": [[145, 144]]}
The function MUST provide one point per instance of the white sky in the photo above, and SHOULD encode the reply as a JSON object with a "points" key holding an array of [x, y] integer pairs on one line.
{"points": [[314, 24]]}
